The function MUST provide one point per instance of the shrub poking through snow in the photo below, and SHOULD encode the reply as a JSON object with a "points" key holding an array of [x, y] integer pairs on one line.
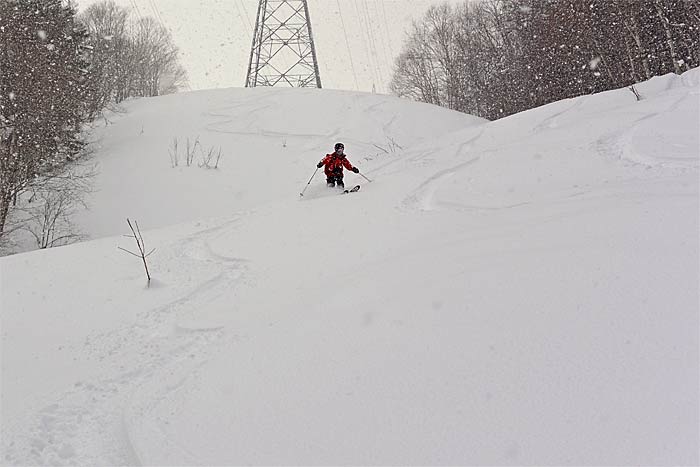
{"points": [[210, 158], [136, 235]]}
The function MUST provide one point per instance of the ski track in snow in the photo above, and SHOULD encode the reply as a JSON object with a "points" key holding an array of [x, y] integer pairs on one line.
{"points": [[618, 144], [552, 121], [422, 198], [94, 419]]}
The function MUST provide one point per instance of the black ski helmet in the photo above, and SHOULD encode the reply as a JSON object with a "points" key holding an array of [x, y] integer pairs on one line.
{"points": [[339, 146]]}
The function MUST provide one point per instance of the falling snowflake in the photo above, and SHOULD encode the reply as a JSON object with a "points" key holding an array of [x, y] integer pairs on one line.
{"points": [[42, 34], [593, 64]]}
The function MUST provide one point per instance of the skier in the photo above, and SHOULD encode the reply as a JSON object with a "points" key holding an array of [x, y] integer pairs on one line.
{"points": [[334, 163]]}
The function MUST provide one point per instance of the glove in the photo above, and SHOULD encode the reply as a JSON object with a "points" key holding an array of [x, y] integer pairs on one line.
{"points": [[356, 170], [319, 165]]}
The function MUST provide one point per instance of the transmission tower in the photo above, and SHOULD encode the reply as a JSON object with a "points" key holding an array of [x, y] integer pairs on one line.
{"points": [[283, 51]]}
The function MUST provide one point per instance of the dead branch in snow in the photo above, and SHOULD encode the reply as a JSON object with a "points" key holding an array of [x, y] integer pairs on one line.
{"points": [[141, 246]]}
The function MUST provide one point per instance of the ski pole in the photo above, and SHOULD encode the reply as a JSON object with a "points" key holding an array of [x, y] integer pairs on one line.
{"points": [[307, 185], [360, 173]]}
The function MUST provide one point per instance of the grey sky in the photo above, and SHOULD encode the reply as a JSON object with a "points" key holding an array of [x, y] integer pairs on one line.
{"points": [[214, 37]]}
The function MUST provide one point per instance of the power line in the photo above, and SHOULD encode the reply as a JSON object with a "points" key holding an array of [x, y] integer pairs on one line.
{"points": [[158, 16], [368, 44], [240, 17], [347, 44], [136, 8], [386, 29], [373, 41], [159, 19], [386, 48], [247, 16]]}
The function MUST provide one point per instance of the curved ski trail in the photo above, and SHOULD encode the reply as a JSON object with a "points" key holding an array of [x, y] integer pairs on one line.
{"points": [[90, 424]]}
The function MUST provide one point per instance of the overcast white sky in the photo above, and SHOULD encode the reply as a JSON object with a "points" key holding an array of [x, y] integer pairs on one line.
{"points": [[214, 37]]}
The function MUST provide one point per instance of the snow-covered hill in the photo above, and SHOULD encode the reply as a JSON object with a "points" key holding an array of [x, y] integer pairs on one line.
{"points": [[517, 292]]}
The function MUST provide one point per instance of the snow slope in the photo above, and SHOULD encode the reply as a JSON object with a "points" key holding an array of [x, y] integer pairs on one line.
{"points": [[271, 140], [517, 292]]}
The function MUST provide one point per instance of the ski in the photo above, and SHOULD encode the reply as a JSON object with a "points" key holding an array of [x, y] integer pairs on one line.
{"points": [[352, 190]]}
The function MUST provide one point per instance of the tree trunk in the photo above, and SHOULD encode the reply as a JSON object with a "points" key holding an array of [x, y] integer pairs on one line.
{"points": [[669, 37], [4, 209], [634, 32]]}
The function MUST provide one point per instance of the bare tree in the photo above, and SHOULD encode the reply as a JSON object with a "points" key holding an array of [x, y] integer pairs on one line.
{"points": [[154, 60], [635, 49], [426, 68], [107, 24], [130, 58], [51, 201], [493, 58]]}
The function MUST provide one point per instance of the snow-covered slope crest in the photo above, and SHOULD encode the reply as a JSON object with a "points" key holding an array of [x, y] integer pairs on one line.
{"points": [[270, 141], [517, 292]]}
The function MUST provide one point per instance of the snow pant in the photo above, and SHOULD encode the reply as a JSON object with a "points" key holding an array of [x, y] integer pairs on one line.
{"points": [[336, 178]]}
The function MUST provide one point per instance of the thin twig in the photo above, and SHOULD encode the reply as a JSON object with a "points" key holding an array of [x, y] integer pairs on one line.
{"points": [[141, 246], [130, 252]]}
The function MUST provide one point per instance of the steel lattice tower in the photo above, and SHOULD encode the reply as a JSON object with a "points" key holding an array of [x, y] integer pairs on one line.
{"points": [[283, 51]]}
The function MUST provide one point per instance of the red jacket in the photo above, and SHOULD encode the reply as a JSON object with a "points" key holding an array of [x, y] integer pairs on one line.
{"points": [[334, 164]]}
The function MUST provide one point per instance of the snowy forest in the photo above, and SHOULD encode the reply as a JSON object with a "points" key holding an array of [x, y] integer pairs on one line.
{"points": [[492, 58], [59, 71]]}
